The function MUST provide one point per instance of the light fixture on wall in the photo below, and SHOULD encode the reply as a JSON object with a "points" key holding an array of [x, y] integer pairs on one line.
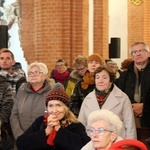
{"points": [[136, 2]]}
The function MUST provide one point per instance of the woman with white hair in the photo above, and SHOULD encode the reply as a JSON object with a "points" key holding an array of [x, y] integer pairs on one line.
{"points": [[30, 99], [104, 128]]}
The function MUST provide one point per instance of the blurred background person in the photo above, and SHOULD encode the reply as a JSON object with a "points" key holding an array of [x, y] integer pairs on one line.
{"points": [[61, 72], [86, 85], [104, 128], [113, 66], [80, 67], [58, 129], [125, 64], [106, 95]]}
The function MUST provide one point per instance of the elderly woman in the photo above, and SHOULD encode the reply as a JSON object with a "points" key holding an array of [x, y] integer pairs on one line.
{"points": [[30, 99], [106, 95], [59, 129], [86, 85], [104, 128]]}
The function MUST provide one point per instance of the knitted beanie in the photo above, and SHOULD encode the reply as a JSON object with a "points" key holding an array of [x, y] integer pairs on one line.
{"points": [[95, 57], [58, 94]]}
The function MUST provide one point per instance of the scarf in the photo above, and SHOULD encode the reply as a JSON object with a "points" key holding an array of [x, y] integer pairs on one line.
{"points": [[102, 96], [137, 95], [32, 88], [61, 77], [88, 79], [52, 135]]}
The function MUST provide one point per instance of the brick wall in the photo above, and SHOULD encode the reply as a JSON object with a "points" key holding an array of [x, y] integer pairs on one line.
{"points": [[101, 27], [53, 29], [138, 22], [59, 29]]}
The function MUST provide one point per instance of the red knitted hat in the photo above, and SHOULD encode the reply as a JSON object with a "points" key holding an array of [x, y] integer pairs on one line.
{"points": [[128, 142], [58, 94]]}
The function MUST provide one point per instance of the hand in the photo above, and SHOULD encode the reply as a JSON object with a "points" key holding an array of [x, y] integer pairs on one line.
{"points": [[52, 122], [137, 109]]}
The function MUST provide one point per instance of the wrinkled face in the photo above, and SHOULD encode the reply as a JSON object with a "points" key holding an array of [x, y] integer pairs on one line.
{"points": [[139, 54], [56, 108], [6, 61], [102, 140], [60, 67], [102, 81], [35, 76], [93, 65], [81, 69]]}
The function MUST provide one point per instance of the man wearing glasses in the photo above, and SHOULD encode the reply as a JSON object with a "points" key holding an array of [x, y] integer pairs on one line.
{"points": [[135, 82]]}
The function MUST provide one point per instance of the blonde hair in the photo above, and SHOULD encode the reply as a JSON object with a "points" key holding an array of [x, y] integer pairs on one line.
{"points": [[69, 116]]}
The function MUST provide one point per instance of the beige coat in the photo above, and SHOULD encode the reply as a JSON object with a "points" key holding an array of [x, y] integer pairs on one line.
{"points": [[117, 102]]}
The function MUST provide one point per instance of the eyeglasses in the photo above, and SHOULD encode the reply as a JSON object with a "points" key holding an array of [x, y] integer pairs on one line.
{"points": [[59, 66], [100, 131], [138, 51], [80, 69], [35, 73]]}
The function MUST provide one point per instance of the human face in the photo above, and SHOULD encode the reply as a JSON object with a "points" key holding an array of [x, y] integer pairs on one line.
{"points": [[102, 81], [6, 61], [35, 76], [93, 65], [81, 70], [60, 67], [56, 108], [102, 141], [139, 54]]}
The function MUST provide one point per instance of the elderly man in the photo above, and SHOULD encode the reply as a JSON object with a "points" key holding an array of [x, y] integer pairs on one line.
{"points": [[135, 82]]}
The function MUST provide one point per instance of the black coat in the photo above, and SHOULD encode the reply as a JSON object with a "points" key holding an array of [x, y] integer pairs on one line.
{"points": [[78, 96], [73, 137], [127, 82], [6, 142]]}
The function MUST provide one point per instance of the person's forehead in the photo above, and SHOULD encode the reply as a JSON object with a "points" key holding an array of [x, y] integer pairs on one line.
{"points": [[35, 68], [7, 54], [100, 123], [136, 47]]}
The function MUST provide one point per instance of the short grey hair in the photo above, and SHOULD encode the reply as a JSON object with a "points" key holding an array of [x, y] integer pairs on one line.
{"points": [[43, 68], [114, 122], [146, 47]]}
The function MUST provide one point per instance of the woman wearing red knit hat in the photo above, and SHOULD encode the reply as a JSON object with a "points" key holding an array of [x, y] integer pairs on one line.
{"points": [[58, 129]]}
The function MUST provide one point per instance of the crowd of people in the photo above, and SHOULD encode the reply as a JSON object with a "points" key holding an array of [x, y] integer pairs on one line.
{"points": [[94, 105]]}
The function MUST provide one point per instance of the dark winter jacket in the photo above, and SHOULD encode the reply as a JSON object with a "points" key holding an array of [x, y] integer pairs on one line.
{"points": [[78, 96], [6, 142], [6, 100], [73, 137], [127, 82]]}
